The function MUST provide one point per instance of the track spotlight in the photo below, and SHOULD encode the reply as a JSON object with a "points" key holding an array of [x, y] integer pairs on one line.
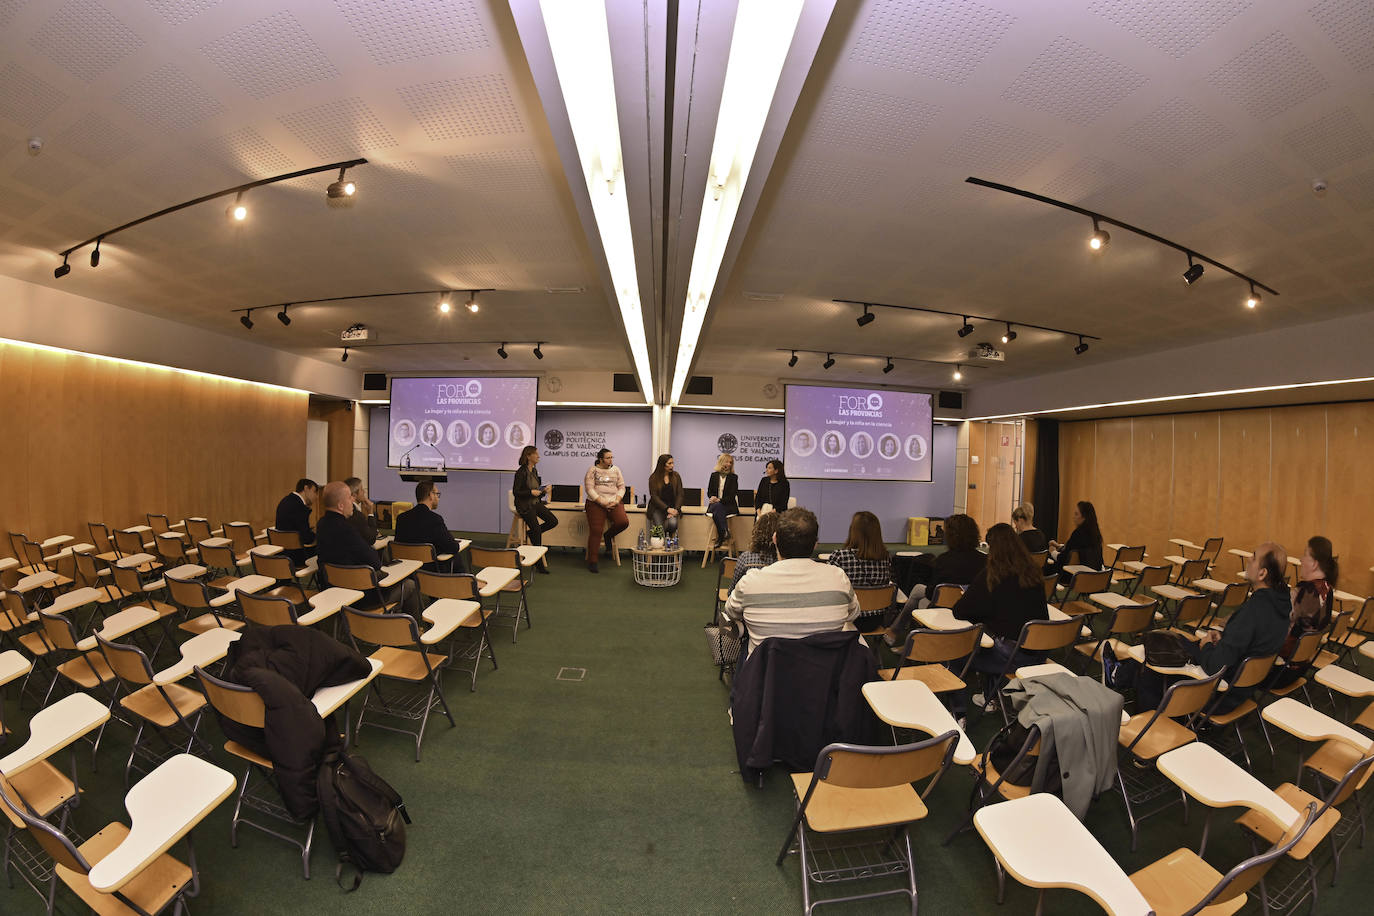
{"points": [[1100, 238], [538, 353], [866, 318], [1254, 299], [60, 272], [1010, 335], [95, 253], [246, 319], [829, 361], [340, 193], [1193, 273], [344, 358], [238, 212], [501, 351], [1082, 346], [793, 361], [284, 318], [967, 329], [889, 367], [444, 306], [472, 302], [958, 372]]}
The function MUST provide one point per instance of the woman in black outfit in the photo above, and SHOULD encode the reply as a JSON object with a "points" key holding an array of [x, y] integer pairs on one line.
{"points": [[1023, 520], [722, 495], [1006, 594], [959, 565], [528, 490], [1086, 540], [773, 488], [665, 496]]}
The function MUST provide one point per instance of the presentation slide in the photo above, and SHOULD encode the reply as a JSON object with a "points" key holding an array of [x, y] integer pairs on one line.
{"points": [[857, 433], [475, 423]]}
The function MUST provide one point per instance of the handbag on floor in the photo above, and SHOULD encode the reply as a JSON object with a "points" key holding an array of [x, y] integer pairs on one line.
{"points": [[363, 814], [724, 642]]}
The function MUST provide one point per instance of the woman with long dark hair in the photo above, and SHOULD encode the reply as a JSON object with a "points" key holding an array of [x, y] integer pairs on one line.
{"points": [[864, 557], [529, 491], [761, 551], [1086, 541], [665, 496], [1313, 602], [773, 491], [960, 564]]}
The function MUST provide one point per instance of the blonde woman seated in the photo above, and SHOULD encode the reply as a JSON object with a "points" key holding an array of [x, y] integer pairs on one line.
{"points": [[722, 496]]}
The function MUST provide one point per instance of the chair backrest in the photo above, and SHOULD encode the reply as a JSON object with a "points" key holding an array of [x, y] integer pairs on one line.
{"points": [[240, 535], [1048, 635], [929, 646], [198, 529], [422, 552], [170, 547], [1192, 609], [1252, 670], [482, 557], [1150, 576], [1192, 569], [1308, 646], [1353, 780], [13, 613], [360, 578], [727, 569], [1211, 549], [1088, 583], [287, 540], [1235, 595], [267, 610], [877, 598], [128, 542], [947, 595], [854, 766], [126, 661], [33, 555], [462, 586], [17, 544], [233, 701], [159, 524], [276, 566], [52, 840], [382, 629], [1128, 555], [127, 578], [1039, 557], [1050, 583], [188, 593], [1236, 883], [58, 631], [217, 557], [1186, 698], [1129, 619], [100, 537], [88, 570]]}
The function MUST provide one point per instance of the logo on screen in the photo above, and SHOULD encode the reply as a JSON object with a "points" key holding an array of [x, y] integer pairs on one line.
{"points": [[553, 440], [875, 401], [473, 389], [727, 443]]}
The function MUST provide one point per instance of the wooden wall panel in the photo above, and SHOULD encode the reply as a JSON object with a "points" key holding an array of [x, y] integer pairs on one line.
{"points": [[1297, 488], [1243, 514], [1030, 460], [977, 447], [1196, 484], [93, 440], [1111, 490], [1151, 485], [1349, 493], [1077, 454]]}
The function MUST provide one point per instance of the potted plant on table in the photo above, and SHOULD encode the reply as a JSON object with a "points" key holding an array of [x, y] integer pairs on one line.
{"points": [[656, 537]]}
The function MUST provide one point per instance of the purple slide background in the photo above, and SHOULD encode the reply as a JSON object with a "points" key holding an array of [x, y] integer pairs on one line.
{"points": [[465, 412], [841, 419]]}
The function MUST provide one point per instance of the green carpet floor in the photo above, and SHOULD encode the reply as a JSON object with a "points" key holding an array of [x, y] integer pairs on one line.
{"points": [[614, 793]]}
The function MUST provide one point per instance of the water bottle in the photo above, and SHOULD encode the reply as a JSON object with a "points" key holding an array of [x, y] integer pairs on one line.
{"points": [[641, 538]]}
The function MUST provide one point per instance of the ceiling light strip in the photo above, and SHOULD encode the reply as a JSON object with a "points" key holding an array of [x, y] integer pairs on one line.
{"points": [[1177, 397], [63, 351], [580, 41], [758, 48]]}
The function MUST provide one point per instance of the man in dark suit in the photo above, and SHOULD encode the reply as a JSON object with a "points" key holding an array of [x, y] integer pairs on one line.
{"points": [[293, 514], [423, 525], [341, 544], [364, 516]]}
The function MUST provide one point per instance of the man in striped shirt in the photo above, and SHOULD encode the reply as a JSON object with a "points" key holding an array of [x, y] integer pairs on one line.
{"points": [[796, 596]]}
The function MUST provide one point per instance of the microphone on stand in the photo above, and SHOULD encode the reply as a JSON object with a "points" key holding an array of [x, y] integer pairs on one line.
{"points": [[443, 459], [405, 458]]}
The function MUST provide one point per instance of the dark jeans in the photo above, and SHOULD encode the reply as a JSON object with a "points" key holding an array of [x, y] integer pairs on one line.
{"points": [[717, 511], [992, 662], [661, 517], [533, 516]]}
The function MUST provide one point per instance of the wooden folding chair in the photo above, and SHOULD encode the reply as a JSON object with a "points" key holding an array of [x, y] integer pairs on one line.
{"points": [[448, 587], [290, 579], [947, 595], [925, 651], [874, 603], [104, 547], [169, 713], [1040, 637], [1082, 585], [482, 557], [725, 574], [854, 811], [1128, 622], [404, 659], [1251, 672], [200, 610]]}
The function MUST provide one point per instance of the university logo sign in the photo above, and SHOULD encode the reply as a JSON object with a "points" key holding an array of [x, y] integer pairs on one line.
{"points": [[553, 440], [727, 443]]}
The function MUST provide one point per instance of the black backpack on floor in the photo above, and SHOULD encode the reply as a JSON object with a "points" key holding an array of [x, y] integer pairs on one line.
{"points": [[364, 816]]}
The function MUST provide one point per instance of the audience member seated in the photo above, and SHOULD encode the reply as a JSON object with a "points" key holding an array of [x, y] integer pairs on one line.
{"points": [[761, 551], [293, 514], [1313, 601], [1258, 627], [1023, 520], [796, 596], [342, 545], [423, 525], [864, 557], [364, 516], [1086, 541], [1006, 593], [665, 496], [958, 565]]}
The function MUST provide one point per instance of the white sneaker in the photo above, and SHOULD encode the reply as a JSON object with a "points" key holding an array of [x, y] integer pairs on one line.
{"points": [[978, 700]]}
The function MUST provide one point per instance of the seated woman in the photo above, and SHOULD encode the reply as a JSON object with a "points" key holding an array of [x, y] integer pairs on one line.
{"points": [[761, 551], [1313, 601], [665, 496], [958, 565], [864, 557], [1086, 541], [722, 496], [1023, 520], [1006, 594], [774, 492]]}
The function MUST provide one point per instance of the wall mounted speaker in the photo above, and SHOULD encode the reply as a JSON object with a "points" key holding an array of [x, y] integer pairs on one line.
{"points": [[374, 381], [951, 400]]}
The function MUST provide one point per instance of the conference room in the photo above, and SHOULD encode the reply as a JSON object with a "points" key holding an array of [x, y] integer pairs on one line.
{"points": [[603, 285]]}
